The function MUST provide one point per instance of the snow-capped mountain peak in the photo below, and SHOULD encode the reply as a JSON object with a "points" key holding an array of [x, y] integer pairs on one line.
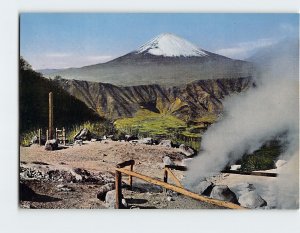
{"points": [[170, 45]]}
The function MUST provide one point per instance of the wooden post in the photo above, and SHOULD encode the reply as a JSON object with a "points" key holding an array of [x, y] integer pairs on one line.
{"points": [[118, 185], [47, 134], [165, 179], [177, 182], [40, 134], [56, 133], [130, 177], [64, 136], [50, 115]]}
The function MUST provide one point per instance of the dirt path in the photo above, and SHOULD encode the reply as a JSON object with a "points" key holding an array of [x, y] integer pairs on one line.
{"points": [[101, 157]]}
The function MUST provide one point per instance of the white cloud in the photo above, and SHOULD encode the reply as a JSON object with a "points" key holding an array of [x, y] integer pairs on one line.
{"points": [[57, 55], [245, 49], [55, 60]]}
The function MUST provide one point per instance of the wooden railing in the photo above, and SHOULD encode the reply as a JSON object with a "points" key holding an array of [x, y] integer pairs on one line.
{"points": [[120, 168]]}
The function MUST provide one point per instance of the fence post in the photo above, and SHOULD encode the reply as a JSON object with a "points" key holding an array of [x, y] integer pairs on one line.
{"points": [[40, 134], [130, 177], [64, 136], [118, 184], [165, 179], [47, 134]]}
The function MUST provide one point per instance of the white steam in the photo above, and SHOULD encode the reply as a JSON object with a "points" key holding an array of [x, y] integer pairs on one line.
{"points": [[250, 120]]}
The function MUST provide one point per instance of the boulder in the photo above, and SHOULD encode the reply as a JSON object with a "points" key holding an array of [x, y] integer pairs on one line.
{"points": [[104, 189], [251, 200], [110, 199], [147, 141], [166, 143], [51, 144], [186, 150], [186, 162], [167, 161], [83, 134], [223, 193], [204, 188]]}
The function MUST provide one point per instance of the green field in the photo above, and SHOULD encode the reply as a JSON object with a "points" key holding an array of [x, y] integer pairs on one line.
{"points": [[162, 125]]}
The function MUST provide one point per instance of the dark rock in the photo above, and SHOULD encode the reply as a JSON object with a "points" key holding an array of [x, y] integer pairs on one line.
{"points": [[26, 193], [130, 137], [51, 144], [204, 188], [223, 193], [104, 189]]}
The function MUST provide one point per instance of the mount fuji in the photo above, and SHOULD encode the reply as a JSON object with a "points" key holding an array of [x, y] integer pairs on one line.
{"points": [[165, 60]]}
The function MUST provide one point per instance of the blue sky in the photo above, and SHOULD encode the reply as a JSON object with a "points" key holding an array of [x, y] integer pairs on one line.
{"points": [[50, 40]]}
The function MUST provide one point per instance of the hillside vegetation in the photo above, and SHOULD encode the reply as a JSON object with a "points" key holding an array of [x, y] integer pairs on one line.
{"points": [[33, 103]]}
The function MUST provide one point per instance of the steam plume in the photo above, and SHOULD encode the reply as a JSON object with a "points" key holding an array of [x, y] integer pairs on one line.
{"points": [[253, 118]]}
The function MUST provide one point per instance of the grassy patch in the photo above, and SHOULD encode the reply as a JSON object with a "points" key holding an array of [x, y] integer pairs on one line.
{"points": [[150, 124], [210, 118], [25, 138], [262, 159]]}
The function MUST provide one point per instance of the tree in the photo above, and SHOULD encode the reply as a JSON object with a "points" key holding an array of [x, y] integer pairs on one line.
{"points": [[24, 65]]}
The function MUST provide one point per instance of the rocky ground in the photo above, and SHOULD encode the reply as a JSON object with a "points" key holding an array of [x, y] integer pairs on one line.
{"points": [[71, 176]]}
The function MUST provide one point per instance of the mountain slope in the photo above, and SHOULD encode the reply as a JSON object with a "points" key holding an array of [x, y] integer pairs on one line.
{"points": [[186, 102], [164, 60]]}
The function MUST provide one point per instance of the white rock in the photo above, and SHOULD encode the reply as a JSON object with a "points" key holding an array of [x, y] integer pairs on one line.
{"points": [[280, 163], [235, 167], [167, 161], [187, 151], [147, 141], [186, 162], [251, 200], [170, 198], [166, 143]]}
